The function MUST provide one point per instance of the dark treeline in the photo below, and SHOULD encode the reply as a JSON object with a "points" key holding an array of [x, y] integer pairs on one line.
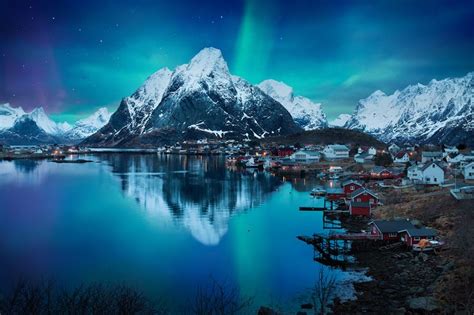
{"points": [[46, 297]]}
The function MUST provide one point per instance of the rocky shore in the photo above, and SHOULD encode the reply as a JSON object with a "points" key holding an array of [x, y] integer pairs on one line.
{"points": [[405, 282]]}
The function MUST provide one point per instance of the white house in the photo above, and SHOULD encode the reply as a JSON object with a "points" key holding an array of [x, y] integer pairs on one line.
{"points": [[401, 157], [336, 151], [414, 173], [433, 173], [306, 156], [460, 158], [371, 150], [363, 157], [431, 156], [468, 171], [430, 173]]}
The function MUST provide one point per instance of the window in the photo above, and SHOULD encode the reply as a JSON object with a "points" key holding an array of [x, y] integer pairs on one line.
{"points": [[352, 187], [372, 200], [359, 200], [435, 179], [416, 238], [392, 235]]}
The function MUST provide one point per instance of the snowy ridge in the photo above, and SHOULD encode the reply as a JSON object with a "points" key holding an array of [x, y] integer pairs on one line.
{"points": [[307, 114], [340, 120], [87, 126], [439, 112], [16, 122]]}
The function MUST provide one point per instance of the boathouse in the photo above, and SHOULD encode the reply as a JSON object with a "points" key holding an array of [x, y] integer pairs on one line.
{"points": [[387, 230], [365, 195], [335, 193], [412, 236]]}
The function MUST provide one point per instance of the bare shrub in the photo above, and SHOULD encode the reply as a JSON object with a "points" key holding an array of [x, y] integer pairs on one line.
{"points": [[323, 290], [219, 299]]}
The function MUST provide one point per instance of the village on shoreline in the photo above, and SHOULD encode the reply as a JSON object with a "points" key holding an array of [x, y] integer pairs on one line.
{"points": [[400, 205]]}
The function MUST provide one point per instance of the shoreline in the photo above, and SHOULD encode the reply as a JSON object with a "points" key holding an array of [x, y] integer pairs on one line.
{"points": [[407, 282]]}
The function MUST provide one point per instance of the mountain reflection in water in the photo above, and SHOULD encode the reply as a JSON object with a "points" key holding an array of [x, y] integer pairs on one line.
{"points": [[197, 192]]}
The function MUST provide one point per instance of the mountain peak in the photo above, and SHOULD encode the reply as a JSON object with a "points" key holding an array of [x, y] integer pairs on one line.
{"points": [[206, 61]]}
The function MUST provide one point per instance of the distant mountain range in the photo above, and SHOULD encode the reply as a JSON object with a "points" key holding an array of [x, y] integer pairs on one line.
{"points": [[441, 112], [202, 99], [18, 127]]}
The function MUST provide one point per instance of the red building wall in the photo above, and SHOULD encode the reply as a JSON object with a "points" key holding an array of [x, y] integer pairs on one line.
{"points": [[366, 197], [350, 188], [363, 211]]}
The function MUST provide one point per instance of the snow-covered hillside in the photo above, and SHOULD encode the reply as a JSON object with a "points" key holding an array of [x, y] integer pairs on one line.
{"points": [[439, 112], [307, 114]]}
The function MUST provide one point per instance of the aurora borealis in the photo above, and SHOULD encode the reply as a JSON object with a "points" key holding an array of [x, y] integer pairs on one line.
{"points": [[72, 57]]}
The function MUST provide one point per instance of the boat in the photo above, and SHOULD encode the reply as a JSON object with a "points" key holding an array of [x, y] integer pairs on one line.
{"points": [[427, 245], [318, 191]]}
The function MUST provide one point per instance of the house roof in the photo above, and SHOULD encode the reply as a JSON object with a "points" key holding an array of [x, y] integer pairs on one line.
{"points": [[422, 231], [363, 155], [432, 153], [401, 154], [308, 152], [335, 190], [392, 226], [424, 167], [338, 147], [362, 190], [379, 169], [351, 181]]}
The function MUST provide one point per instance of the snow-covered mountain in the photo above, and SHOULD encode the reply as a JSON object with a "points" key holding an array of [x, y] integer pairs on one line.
{"points": [[307, 114], [35, 127], [200, 99], [439, 112], [8, 115], [340, 120], [88, 126]]}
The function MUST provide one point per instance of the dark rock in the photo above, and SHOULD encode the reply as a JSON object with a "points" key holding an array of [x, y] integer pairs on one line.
{"points": [[263, 310], [307, 306], [424, 303]]}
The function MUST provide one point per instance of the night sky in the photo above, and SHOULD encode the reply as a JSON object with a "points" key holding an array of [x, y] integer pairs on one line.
{"points": [[72, 57]]}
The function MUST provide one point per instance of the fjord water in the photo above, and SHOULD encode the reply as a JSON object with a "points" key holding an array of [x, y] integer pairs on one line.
{"points": [[163, 224]]}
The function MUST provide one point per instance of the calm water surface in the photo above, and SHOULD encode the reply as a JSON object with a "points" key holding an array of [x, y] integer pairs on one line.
{"points": [[164, 224]]}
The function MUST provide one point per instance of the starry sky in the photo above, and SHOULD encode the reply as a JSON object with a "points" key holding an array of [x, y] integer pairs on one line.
{"points": [[72, 57]]}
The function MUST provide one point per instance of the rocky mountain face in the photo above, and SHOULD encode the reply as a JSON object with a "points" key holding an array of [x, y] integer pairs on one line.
{"points": [[21, 128], [197, 100], [306, 114], [441, 112]]}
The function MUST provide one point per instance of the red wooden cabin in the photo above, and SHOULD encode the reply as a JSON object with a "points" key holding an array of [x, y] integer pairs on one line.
{"points": [[365, 195]]}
